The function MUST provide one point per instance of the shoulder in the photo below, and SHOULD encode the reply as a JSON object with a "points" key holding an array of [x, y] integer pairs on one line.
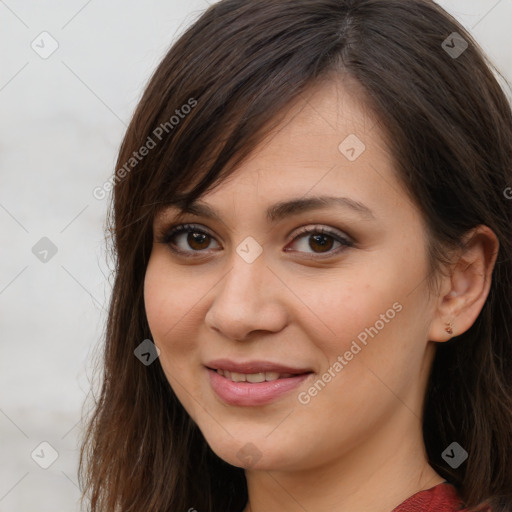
{"points": [[440, 498]]}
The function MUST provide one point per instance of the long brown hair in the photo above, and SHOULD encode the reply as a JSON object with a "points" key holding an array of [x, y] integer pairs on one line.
{"points": [[219, 89]]}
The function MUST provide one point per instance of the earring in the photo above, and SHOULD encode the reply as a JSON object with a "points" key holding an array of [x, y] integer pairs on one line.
{"points": [[449, 328]]}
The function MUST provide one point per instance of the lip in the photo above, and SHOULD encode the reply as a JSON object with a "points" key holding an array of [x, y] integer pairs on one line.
{"points": [[248, 394]]}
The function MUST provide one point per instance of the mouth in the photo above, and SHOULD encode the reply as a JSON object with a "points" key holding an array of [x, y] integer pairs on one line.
{"points": [[253, 378], [253, 383]]}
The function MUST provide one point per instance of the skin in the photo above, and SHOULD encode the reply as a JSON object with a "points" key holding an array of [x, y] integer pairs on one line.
{"points": [[359, 439]]}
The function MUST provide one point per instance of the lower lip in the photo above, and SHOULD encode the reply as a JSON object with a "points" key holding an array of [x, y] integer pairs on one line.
{"points": [[258, 393]]}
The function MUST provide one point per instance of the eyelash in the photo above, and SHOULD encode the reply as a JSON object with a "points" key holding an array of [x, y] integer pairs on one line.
{"points": [[172, 232]]}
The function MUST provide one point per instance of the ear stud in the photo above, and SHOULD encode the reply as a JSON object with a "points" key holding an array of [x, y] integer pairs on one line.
{"points": [[449, 328]]}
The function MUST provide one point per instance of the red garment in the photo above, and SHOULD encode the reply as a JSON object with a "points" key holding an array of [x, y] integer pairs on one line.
{"points": [[441, 498]]}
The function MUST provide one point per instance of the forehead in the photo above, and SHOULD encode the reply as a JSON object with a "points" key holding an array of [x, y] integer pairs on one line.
{"points": [[328, 125], [327, 135], [328, 143]]}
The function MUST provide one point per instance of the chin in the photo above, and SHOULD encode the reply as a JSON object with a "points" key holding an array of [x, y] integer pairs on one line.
{"points": [[253, 452]]}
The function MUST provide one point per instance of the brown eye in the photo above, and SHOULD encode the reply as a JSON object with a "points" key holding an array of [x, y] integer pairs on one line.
{"points": [[198, 241], [320, 241], [323, 242], [187, 239]]}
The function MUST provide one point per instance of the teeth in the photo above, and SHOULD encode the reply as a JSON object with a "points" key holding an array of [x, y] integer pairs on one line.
{"points": [[236, 377], [253, 377]]}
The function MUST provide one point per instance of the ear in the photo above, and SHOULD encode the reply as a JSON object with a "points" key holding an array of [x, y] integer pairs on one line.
{"points": [[464, 290]]}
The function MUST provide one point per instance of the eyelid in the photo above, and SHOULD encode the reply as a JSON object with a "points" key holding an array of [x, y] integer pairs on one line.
{"points": [[345, 241], [324, 230], [166, 234]]}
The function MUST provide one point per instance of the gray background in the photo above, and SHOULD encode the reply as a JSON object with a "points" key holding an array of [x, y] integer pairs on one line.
{"points": [[62, 120]]}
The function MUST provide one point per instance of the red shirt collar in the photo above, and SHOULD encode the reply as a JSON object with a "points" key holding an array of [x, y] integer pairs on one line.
{"points": [[440, 498]]}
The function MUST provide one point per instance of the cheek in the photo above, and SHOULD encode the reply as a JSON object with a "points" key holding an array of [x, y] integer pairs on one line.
{"points": [[340, 310], [170, 303], [171, 308], [375, 314]]}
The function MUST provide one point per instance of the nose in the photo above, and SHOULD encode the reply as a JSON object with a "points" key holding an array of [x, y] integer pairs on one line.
{"points": [[249, 299]]}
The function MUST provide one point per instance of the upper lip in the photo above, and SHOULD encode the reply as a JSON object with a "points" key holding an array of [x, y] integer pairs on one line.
{"points": [[249, 367]]}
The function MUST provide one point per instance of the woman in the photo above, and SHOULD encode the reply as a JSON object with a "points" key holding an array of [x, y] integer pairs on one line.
{"points": [[312, 230]]}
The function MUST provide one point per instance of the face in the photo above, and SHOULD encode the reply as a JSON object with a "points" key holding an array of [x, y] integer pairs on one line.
{"points": [[293, 330]]}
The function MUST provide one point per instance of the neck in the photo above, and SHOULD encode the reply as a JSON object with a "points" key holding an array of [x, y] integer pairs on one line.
{"points": [[375, 476]]}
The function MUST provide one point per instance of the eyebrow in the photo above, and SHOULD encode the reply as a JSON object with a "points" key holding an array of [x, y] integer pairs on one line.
{"points": [[281, 210]]}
